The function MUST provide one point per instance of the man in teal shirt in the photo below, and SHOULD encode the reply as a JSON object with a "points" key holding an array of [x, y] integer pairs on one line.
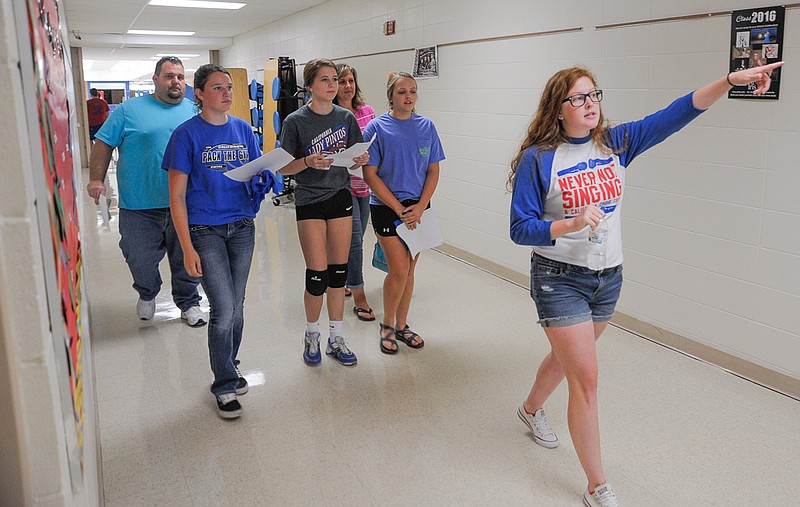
{"points": [[140, 128]]}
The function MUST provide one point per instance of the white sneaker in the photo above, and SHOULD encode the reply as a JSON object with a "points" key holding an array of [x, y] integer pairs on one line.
{"points": [[194, 316], [145, 309], [537, 423], [603, 496]]}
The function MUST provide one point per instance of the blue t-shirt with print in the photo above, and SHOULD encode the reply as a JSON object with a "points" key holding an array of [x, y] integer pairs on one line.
{"points": [[402, 151], [140, 127], [204, 152]]}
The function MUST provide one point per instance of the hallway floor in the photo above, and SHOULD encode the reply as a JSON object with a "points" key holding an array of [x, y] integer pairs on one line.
{"points": [[435, 426]]}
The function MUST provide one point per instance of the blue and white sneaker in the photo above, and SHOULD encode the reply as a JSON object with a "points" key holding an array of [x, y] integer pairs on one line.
{"points": [[311, 353], [339, 351]]}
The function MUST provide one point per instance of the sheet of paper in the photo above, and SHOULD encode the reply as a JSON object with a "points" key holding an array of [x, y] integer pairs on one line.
{"points": [[271, 161], [104, 213], [426, 235], [345, 158]]}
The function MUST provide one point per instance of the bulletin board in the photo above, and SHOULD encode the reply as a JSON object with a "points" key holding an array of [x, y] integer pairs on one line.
{"points": [[50, 77]]}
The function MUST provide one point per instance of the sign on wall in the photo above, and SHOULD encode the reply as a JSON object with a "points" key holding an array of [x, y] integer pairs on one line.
{"points": [[756, 39], [426, 62]]}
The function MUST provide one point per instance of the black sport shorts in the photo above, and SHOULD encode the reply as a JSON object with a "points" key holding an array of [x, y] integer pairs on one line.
{"points": [[338, 206]]}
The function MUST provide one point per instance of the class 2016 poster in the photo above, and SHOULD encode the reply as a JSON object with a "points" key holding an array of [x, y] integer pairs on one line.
{"points": [[757, 39]]}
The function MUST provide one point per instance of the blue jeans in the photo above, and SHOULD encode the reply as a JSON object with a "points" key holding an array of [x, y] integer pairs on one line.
{"points": [[93, 131], [355, 263], [566, 294], [226, 252], [147, 235]]}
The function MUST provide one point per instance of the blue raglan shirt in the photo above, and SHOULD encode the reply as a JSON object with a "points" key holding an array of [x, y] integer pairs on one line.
{"points": [[557, 184]]}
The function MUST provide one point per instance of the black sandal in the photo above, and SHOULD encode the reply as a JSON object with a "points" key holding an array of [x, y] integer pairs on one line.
{"points": [[408, 336], [370, 315], [388, 338]]}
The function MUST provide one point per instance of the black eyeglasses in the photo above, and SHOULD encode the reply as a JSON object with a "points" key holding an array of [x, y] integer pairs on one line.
{"points": [[579, 99]]}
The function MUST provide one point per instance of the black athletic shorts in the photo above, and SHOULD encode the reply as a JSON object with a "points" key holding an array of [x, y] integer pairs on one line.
{"points": [[338, 206], [384, 217]]}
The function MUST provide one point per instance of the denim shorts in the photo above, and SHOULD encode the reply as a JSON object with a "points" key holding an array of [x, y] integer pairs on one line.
{"points": [[566, 294]]}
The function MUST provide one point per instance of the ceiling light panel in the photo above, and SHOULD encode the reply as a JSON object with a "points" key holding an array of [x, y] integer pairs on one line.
{"points": [[159, 32], [197, 4]]}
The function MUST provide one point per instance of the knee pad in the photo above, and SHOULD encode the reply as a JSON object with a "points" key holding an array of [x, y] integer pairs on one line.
{"points": [[316, 282], [337, 275]]}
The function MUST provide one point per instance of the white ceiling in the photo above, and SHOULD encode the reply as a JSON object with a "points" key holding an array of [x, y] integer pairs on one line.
{"points": [[100, 28]]}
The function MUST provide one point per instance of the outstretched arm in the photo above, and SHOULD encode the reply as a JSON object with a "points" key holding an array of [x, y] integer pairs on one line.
{"points": [[704, 97]]}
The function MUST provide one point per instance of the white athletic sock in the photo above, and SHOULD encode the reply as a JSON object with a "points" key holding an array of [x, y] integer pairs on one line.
{"points": [[312, 327], [336, 328]]}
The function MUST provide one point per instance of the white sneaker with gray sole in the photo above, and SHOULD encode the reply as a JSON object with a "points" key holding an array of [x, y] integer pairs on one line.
{"points": [[195, 317], [537, 423], [603, 496]]}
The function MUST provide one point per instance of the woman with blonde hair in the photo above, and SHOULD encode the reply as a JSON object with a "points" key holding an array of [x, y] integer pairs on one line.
{"points": [[403, 171]]}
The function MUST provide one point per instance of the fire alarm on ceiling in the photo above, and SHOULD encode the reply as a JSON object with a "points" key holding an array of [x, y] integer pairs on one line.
{"points": [[388, 28]]}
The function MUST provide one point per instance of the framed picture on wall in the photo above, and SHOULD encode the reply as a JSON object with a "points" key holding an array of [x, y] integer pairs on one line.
{"points": [[426, 62]]}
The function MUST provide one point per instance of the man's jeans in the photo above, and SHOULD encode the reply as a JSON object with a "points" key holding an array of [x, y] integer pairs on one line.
{"points": [[355, 268], [226, 252], [147, 235]]}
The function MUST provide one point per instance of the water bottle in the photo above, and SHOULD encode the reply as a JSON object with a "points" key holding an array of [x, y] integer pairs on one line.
{"points": [[598, 239]]}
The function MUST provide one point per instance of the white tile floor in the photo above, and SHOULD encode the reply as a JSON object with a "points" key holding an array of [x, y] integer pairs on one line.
{"points": [[429, 427]]}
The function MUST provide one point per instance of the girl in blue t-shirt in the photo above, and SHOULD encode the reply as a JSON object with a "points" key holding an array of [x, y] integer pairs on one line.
{"points": [[402, 171], [213, 218], [567, 180]]}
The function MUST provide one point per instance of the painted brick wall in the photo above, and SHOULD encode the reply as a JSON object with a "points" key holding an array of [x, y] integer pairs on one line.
{"points": [[712, 231]]}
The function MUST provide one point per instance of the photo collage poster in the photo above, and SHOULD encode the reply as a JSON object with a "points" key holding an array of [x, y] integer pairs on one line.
{"points": [[756, 39]]}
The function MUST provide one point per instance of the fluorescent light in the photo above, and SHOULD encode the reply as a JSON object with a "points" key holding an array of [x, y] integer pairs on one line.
{"points": [[158, 32], [179, 55], [135, 67], [197, 4]]}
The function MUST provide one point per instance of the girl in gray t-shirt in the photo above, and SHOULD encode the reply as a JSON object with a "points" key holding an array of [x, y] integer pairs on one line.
{"points": [[323, 204]]}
